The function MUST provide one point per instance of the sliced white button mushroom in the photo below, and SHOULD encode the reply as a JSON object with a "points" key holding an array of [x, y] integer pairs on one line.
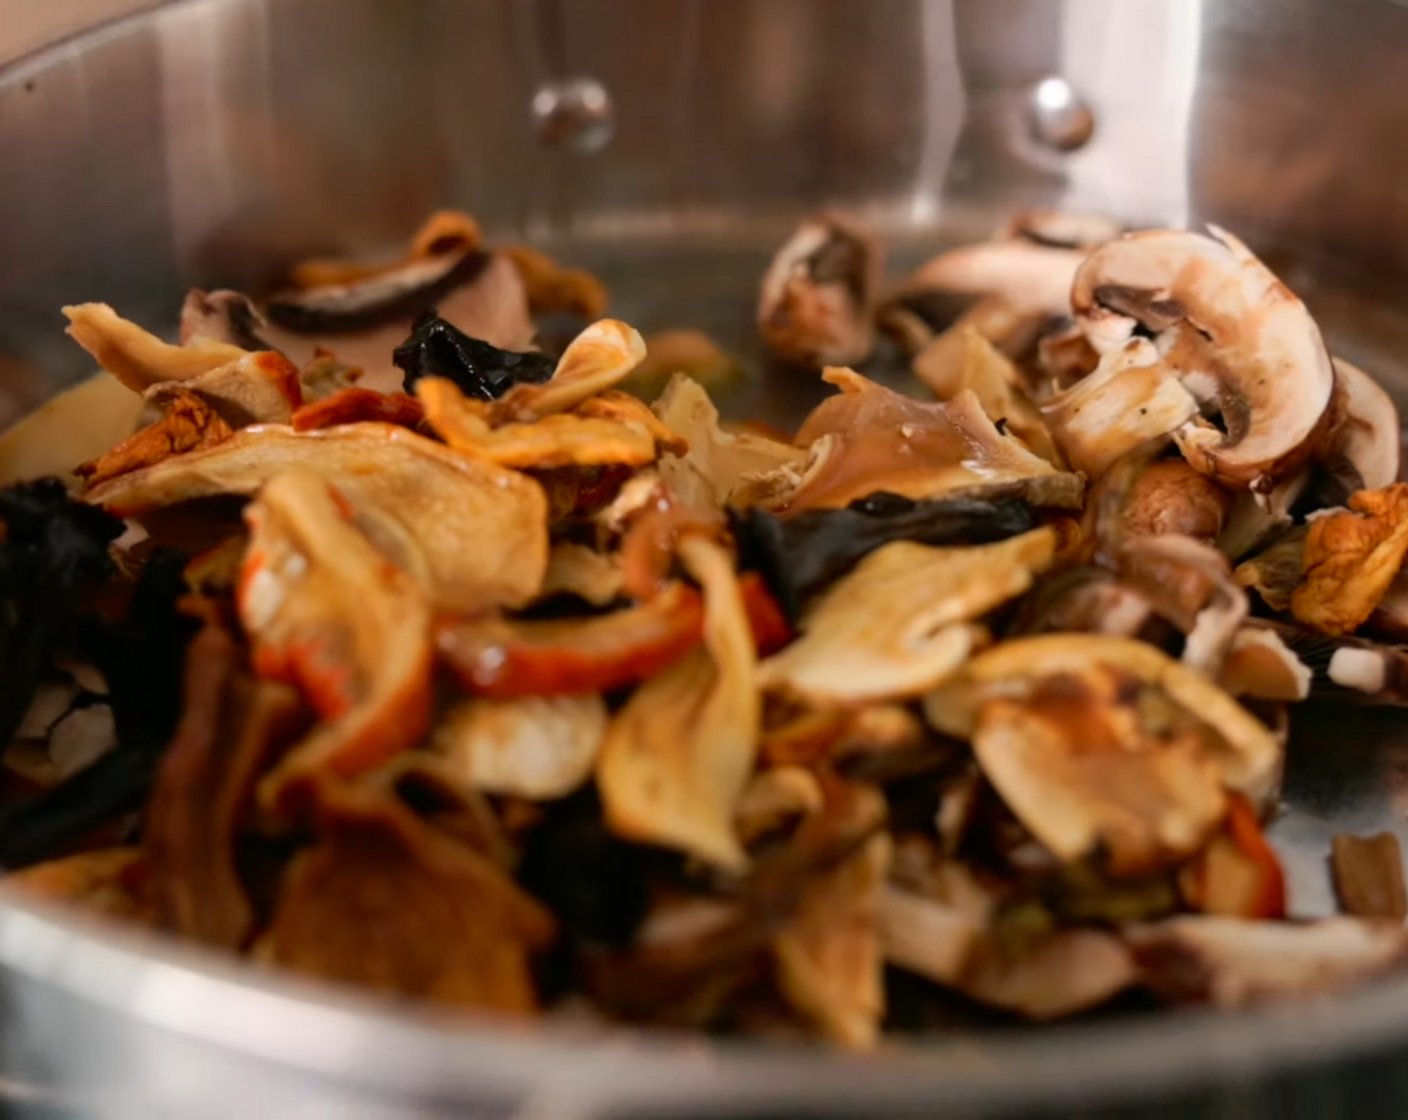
{"points": [[1231, 331]]}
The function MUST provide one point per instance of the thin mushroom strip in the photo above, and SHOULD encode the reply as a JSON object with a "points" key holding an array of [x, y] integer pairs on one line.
{"points": [[378, 630]]}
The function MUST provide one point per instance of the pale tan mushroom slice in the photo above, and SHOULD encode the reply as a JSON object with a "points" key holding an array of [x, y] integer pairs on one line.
{"points": [[76, 426], [325, 612], [598, 359], [1233, 962], [717, 464], [139, 359], [538, 747], [867, 438], [814, 308], [678, 755], [1130, 399], [1033, 280], [829, 955], [962, 358], [1233, 334], [1071, 971], [416, 499], [1247, 754], [902, 621], [258, 388], [1083, 768], [574, 569]]}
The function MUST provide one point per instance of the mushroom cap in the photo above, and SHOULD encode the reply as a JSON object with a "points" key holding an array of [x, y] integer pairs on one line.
{"points": [[1234, 335]]}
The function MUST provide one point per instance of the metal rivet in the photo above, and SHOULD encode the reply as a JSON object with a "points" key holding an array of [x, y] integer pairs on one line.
{"points": [[1058, 116], [575, 114]]}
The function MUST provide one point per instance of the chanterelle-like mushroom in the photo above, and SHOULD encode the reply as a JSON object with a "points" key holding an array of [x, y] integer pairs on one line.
{"points": [[1236, 337]]}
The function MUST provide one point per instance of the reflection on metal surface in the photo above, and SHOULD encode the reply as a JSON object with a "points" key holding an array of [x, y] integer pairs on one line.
{"points": [[574, 114], [1060, 117]]}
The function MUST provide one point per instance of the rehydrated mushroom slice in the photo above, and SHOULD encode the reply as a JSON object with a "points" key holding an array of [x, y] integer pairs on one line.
{"points": [[417, 500], [901, 622], [1345, 668], [1247, 754], [535, 747], [679, 753], [717, 464], [1073, 970], [1230, 331], [1275, 573], [1233, 962], [261, 388], [942, 448], [598, 359], [189, 424], [387, 901], [565, 439], [961, 358], [1064, 229], [138, 359], [506, 659], [327, 612], [1081, 766], [1351, 558], [1131, 398], [814, 308]]}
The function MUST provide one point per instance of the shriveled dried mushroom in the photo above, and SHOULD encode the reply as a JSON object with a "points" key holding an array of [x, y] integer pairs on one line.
{"points": [[815, 303]]}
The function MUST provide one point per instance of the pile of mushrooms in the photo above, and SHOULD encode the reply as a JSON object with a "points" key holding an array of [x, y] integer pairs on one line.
{"points": [[392, 649]]}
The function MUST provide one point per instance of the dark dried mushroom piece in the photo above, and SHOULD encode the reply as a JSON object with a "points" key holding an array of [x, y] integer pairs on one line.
{"points": [[439, 349], [800, 556], [815, 304], [52, 550]]}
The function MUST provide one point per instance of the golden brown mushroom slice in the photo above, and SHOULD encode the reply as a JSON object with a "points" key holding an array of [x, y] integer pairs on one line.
{"points": [[1247, 755], [814, 308], [189, 424], [538, 747], [1351, 559], [868, 438], [901, 622], [618, 434], [327, 612], [387, 901], [418, 500], [717, 464], [678, 755], [139, 359], [1233, 962], [1231, 332], [259, 388]]}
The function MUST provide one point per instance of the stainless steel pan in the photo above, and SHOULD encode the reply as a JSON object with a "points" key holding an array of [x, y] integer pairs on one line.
{"points": [[670, 143]]}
